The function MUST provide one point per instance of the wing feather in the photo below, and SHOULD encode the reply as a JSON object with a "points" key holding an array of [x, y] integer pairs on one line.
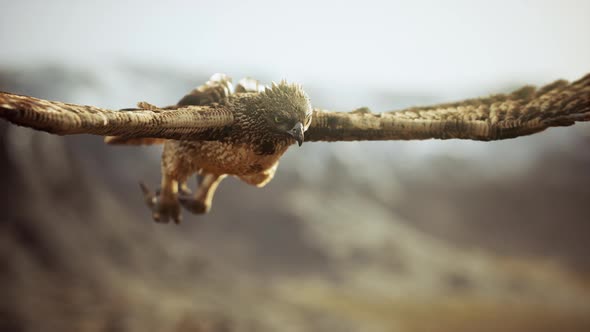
{"points": [[190, 122], [216, 91], [525, 111]]}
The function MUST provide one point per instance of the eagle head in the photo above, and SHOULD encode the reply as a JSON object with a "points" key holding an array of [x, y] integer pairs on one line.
{"points": [[286, 110]]}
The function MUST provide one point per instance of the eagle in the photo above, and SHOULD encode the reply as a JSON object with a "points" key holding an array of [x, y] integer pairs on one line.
{"points": [[217, 130]]}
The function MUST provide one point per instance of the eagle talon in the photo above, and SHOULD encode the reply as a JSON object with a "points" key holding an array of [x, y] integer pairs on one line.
{"points": [[148, 196], [193, 205], [163, 209]]}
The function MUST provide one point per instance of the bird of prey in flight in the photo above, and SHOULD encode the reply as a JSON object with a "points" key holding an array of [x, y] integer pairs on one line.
{"points": [[216, 130]]}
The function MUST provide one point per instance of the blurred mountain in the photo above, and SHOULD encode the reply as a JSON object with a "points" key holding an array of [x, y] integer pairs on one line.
{"points": [[387, 236]]}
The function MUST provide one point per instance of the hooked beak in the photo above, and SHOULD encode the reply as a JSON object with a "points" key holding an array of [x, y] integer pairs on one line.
{"points": [[297, 133]]}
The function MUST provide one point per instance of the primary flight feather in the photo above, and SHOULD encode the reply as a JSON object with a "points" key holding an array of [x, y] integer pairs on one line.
{"points": [[217, 130]]}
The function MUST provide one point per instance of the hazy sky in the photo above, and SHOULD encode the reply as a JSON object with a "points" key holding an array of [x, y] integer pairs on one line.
{"points": [[437, 46]]}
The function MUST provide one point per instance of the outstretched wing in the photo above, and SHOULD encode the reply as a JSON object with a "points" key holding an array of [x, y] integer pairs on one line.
{"points": [[523, 112], [190, 122], [215, 91]]}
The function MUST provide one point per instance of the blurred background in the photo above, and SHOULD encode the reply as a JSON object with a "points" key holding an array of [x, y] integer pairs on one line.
{"points": [[365, 236]]}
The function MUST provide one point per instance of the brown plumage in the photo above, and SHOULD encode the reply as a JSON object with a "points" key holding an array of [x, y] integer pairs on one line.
{"points": [[217, 131], [523, 112]]}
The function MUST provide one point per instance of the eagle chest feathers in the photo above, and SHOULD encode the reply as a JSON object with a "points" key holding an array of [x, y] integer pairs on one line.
{"points": [[222, 157]]}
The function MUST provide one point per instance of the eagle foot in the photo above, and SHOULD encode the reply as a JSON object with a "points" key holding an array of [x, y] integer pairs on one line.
{"points": [[163, 208], [193, 205]]}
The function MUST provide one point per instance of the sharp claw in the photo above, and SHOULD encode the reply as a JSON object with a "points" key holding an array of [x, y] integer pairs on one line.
{"points": [[162, 212], [177, 219], [160, 216], [193, 205], [148, 196]]}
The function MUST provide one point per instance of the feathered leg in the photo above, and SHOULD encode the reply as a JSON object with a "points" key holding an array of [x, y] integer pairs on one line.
{"points": [[177, 166]]}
